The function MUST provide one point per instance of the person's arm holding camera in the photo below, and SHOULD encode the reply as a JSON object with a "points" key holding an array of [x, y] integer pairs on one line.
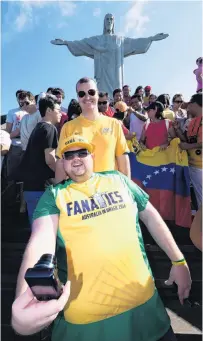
{"points": [[29, 315], [43, 229]]}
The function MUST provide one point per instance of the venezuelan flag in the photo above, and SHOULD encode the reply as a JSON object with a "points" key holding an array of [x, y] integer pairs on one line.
{"points": [[164, 175]]}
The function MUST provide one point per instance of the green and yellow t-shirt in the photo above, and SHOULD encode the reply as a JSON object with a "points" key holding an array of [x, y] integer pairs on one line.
{"points": [[105, 133], [100, 250]]}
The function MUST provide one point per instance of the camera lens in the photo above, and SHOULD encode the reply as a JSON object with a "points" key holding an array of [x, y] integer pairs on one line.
{"points": [[46, 261], [198, 152]]}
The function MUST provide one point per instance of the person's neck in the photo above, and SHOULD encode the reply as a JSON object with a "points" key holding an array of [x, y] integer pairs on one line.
{"points": [[91, 115], [199, 113], [154, 120], [47, 120], [84, 178]]}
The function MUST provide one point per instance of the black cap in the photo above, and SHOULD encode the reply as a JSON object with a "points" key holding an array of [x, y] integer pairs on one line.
{"points": [[155, 105]]}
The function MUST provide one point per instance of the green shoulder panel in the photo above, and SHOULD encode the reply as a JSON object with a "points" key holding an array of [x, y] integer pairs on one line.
{"points": [[47, 203]]}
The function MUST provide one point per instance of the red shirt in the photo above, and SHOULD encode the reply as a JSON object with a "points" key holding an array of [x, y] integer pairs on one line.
{"points": [[156, 133], [64, 118], [109, 112]]}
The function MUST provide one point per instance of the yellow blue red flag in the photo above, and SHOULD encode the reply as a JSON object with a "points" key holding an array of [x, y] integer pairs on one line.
{"points": [[164, 175]]}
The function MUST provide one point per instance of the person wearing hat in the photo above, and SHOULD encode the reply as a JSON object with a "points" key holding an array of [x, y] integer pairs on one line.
{"points": [[157, 129], [110, 293], [147, 93], [120, 114], [104, 132]]}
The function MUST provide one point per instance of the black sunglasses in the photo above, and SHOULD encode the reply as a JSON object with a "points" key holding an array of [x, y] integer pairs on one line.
{"points": [[104, 103], [178, 102], [24, 103], [90, 92], [81, 153]]}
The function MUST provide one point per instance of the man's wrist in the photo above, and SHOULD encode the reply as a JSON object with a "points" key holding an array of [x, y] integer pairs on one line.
{"points": [[181, 261]]}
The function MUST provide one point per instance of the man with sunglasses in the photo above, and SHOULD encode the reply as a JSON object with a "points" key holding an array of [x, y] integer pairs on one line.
{"points": [[104, 132], [92, 221], [103, 105]]}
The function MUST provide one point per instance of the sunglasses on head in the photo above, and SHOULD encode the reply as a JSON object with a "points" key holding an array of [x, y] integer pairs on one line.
{"points": [[90, 92], [81, 153], [178, 102], [24, 103], [104, 103]]}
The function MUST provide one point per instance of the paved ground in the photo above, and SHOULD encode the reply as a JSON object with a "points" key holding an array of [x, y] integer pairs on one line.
{"points": [[186, 320]]}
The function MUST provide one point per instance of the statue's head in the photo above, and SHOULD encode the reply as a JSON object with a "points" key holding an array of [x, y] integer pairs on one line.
{"points": [[108, 24]]}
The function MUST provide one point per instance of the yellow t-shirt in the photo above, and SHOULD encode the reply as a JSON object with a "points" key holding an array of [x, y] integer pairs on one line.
{"points": [[102, 254], [105, 134], [169, 114]]}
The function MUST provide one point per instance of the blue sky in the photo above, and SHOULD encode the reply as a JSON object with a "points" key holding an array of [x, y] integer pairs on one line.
{"points": [[30, 62]]}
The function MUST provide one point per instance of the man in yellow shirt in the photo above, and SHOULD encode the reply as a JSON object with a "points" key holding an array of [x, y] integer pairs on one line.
{"points": [[93, 220], [103, 132]]}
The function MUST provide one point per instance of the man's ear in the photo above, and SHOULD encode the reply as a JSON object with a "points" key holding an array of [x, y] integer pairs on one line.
{"points": [[93, 156]]}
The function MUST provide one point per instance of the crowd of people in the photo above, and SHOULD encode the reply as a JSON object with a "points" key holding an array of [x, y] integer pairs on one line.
{"points": [[75, 177]]}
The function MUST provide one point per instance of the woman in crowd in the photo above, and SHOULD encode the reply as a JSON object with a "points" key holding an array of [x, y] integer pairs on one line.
{"points": [[180, 114], [152, 98], [165, 100], [139, 91], [157, 131], [74, 110]]}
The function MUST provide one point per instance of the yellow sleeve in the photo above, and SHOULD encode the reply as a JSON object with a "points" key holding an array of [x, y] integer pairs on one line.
{"points": [[121, 143], [63, 135]]}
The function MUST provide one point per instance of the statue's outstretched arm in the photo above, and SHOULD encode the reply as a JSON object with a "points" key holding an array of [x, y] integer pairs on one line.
{"points": [[76, 47], [140, 45]]}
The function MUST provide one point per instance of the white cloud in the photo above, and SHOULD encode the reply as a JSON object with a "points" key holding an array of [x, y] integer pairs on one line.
{"points": [[26, 13], [97, 12], [67, 8], [134, 20]]}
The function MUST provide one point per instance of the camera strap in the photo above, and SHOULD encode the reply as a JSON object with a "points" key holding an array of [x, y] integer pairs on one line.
{"points": [[195, 130]]}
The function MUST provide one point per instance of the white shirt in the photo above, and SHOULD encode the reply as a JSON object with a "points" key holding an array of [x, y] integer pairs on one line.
{"points": [[4, 141], [14, 116], [27, 124], [136, 126]]}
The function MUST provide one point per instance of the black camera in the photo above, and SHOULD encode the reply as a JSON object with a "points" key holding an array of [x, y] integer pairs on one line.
{"points": [[193, 139], [43, 279]]}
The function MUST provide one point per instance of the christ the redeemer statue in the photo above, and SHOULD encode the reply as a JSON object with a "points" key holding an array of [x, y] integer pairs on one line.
{"points": [[108, 51]]}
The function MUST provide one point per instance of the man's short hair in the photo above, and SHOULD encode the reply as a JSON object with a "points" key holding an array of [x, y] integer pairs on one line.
{"points": [[19, 91], [116, 91], [58, 91], [50, 89], [197, 98], [45, 103], [22, 95], [126, 86], [84, 80], [102, 94], [139, 97]]}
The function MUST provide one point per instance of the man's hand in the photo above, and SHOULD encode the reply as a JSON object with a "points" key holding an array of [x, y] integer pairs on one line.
{"points": [[57, 42], [163, 147], [176, 125], [29, 315], [180, 274]]}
